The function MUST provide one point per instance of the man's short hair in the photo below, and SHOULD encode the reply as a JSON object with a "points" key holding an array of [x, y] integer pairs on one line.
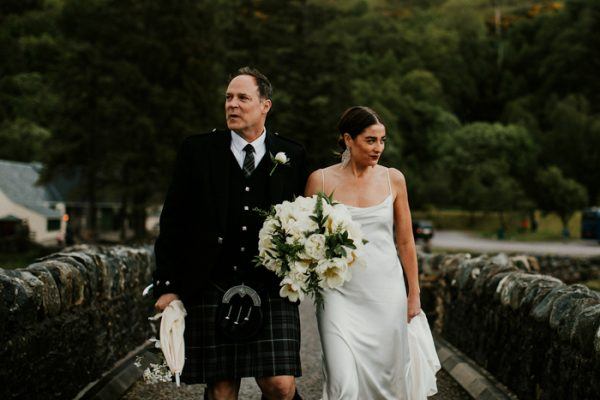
{"points": [[265, 90]]}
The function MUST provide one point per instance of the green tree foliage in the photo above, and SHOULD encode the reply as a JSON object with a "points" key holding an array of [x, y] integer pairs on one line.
{"points": [[27, 103], [130, 92], [560, 195], [485, 163], [573, 142], [471, 103], [22, 140]]}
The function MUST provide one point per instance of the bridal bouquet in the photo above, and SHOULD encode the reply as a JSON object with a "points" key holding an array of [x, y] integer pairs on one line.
{"points": [[311, 243]]}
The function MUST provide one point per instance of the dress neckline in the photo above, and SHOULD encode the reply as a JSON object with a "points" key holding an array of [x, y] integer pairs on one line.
{"points": [[373, 206]]}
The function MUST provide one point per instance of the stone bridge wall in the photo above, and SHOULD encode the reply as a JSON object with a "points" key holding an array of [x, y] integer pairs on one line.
{"points": [[69, 317], [567, 269], [534, 333]]}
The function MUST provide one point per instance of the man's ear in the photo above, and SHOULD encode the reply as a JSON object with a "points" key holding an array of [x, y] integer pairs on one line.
{"points": [[267, 105]]}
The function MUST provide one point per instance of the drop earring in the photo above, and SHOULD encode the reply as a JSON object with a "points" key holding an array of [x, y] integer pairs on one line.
{"points": [[345, 157]]}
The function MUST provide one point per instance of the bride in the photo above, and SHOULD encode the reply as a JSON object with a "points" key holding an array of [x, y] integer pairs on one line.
{"points": [[370, 351]]}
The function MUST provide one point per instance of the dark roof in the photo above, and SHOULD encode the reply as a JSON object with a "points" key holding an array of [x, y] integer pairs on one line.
{"points": [[18, 181], [10, 218]]}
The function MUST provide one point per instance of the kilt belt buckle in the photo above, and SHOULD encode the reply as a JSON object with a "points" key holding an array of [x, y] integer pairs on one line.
{"points": [[242, 291]]}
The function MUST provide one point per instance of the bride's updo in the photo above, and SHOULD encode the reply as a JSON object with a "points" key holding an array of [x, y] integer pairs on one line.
{"points": [[355, 120]]}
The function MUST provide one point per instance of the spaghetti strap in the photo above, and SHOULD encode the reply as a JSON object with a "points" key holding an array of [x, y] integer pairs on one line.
{"points": [[389, 181], [323, 180]]}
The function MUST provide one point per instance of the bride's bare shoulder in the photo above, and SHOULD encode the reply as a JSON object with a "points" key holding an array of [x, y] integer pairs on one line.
{"points": [[397, 177], [332, 168], [315, 182]]}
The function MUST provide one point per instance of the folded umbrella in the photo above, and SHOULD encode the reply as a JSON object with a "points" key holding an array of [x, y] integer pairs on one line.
{"points": [[172, 326]]}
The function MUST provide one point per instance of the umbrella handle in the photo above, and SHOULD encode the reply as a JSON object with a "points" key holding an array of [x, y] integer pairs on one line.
{"points": [[177, 378]]}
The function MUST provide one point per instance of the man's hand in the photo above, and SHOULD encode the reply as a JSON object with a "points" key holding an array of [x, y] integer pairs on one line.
{"points": [[164, 300]]}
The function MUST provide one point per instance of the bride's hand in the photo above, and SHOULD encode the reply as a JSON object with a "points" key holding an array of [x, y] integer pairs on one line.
{"points": [[414, 306]]}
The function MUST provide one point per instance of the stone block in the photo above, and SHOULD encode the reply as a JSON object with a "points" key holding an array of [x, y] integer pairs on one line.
{"points": [[537, 290], [49, 291], [535, 334], [587, 324], [69, 317], [511, 288], [541, 311], [566, 309]]}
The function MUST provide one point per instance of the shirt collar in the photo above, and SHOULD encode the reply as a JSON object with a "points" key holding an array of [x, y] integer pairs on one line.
{"points": [[239, 142]]}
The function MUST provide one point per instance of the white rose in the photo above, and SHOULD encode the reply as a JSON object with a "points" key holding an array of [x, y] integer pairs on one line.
{"points": [[291, 289], [298, 273], [281, 157], [268, 228], [284, 211], [265, 243], [305, 204], [299, 267], [298, 228], [332, 272], [337, 217], [270, 263], [315, 246]]}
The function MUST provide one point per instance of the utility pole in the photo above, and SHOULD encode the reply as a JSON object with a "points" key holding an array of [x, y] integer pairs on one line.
{"points": [[497, 17], [498, 30]]}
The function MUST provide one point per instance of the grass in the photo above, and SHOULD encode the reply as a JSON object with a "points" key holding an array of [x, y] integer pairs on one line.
{"points": [[594, 285], [487, 224], [23, 259]]}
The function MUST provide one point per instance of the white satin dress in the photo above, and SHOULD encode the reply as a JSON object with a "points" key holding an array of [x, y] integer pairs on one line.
{"points": [[368, 351]]}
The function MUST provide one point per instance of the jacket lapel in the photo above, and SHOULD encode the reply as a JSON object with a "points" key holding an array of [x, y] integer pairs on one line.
{"points": [[276, 180], [220, 166]]}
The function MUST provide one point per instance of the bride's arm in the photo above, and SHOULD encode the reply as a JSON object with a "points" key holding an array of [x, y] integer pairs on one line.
{"points": [[314, 184], [405, 241]]}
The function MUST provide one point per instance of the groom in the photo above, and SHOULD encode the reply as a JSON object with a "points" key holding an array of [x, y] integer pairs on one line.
{"points": [[209, 237]]}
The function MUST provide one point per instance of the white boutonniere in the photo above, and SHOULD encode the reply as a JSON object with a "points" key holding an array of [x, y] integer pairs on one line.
{"points": [[279, 158]]}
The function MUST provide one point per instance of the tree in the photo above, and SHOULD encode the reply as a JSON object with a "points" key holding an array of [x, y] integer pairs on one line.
{"points": [[22, 140], [573, 142], [485, 162], [27, 49], [133, 82], [560, 195]]}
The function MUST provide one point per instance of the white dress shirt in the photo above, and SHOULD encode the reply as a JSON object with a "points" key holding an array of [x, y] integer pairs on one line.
{"points": [[238, 143]]}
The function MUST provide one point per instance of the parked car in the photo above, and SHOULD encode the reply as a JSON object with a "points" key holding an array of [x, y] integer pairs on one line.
{"points": [[590, 223], [422, 229]]}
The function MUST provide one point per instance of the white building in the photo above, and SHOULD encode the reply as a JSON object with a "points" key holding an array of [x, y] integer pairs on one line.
{"points": [[39, 206]]}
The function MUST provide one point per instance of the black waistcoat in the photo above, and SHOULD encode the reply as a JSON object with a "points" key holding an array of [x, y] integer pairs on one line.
{"points": [[243, 224]]}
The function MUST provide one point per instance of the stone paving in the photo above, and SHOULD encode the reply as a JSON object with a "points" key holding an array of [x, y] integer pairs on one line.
{"points": [[309, 385]]}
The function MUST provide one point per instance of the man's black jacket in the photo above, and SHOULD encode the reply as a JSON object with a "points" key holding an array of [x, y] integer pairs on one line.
{"points": [[194, 215]]}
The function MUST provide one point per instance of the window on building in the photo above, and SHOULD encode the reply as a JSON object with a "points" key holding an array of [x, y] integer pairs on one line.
{"points": [[53, 225]]}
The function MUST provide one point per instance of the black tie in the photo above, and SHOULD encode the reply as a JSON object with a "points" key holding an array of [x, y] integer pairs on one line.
{"points": [[248, 160]]}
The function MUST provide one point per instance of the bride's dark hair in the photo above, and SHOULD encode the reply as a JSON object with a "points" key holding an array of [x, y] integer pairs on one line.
{"points": [[355, 120]]}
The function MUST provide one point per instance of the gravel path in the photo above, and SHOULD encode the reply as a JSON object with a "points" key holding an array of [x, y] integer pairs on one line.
{"points": [[309, 385]]}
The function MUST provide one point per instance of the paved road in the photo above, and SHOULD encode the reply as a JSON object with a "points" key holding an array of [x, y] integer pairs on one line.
{"points": [[457, 240], [309, 385]]}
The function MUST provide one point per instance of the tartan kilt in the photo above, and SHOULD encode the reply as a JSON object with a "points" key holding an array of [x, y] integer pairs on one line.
{"points": [[211, 357]]}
